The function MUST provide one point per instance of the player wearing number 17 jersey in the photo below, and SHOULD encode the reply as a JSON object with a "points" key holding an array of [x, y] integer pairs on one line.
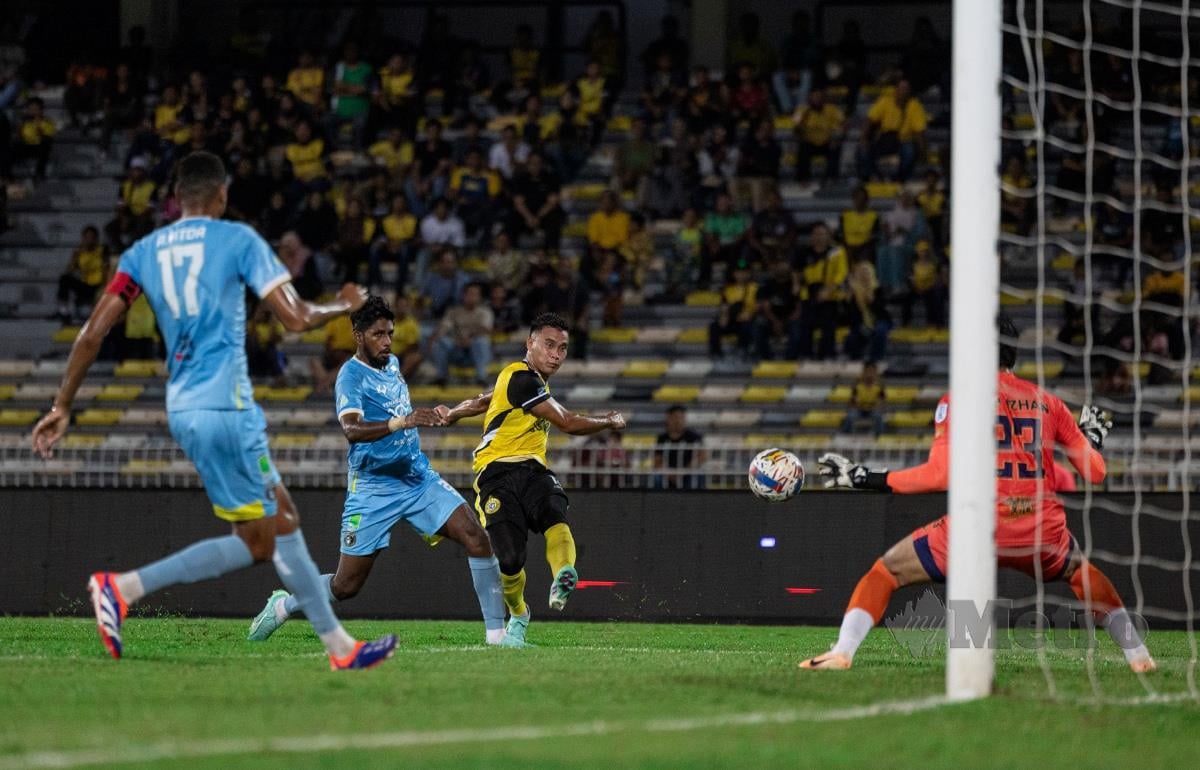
{"points": [[1031, 524], [194, 273]]}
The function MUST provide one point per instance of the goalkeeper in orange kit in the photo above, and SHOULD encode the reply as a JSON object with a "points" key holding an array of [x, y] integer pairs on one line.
{"points": [[1031, 524]]}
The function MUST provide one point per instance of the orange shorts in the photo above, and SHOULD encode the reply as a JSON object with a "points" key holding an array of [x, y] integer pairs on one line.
{"points": [[932, 544]]}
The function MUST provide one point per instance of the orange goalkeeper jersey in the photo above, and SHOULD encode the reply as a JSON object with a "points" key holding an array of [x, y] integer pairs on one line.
{"points": [[1030, 423]]}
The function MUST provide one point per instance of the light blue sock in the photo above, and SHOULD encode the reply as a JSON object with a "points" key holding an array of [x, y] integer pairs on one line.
{"points": [[291, 605], [485, 574], [204, 560], [299, 574]]}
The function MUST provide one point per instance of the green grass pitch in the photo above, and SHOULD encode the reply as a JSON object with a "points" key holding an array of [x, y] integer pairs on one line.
{"points": [[193, 693]]}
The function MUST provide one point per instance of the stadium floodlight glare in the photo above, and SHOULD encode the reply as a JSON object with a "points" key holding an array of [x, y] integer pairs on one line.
{"points": [[974, 300]]}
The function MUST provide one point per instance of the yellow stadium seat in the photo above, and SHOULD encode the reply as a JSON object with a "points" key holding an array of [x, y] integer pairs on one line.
{"points": [[883, 189], [1023, 121], [811, 441], [1014, 299], [1192, 394], [609, 334], [912, 419], [586, 191], [763, 394], [840, 395], [474, 264], [1029, 369], [460, 441], [649, 368], [784, 123], [65, 334], [15, 418], [297, 393], [939, 336], [823, 418], [620, 123], [114, 392], [293, 440], [102, 417], [576, 229], [82, 441], [551, 91], [314, 336], [901, 394], [775, 370], [7, 391], [676, 394], [638, 440], [693, 336], [139, 368], [910, 335], [1064, 261], [765, 440], [703, 299], [475, 421]]}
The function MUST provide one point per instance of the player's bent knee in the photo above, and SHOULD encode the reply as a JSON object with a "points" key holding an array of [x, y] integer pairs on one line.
{"points": [[345, 588], [287, 517]]}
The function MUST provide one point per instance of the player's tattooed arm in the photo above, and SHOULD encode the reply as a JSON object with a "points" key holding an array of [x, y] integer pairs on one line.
{"points": [[468, 408], [299, 315], [357, 431], [576, 424], [53, 426]]}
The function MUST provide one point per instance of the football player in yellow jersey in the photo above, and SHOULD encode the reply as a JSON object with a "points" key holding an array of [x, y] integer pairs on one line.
{"points": [[515, 492]]}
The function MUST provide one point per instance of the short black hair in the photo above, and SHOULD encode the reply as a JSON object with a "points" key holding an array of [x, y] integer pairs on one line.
{"points": [[676, 408], [1008, 331], [553, 320], [199, 176], [372, 310]]}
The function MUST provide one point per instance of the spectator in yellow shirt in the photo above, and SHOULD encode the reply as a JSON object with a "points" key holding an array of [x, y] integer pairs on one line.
{"points": [[824, 277], [859, 226], [339, 347], [84, 276], [819, 129], [306, 153], [608, 226], [406, 338], [35, 137], [475, 188], [895, 125], [137, 195], [397, 245], [395, 101], [593, 100], [395, 153], [307, 80], [739, 307], [167, 120], [866, 399]]}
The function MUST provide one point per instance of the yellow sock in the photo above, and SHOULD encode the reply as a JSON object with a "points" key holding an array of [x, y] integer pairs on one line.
{"points": [[514, 592], [560, 547]]}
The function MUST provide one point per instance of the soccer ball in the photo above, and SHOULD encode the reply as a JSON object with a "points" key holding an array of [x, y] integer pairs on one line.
{"points": [[776, 475]]}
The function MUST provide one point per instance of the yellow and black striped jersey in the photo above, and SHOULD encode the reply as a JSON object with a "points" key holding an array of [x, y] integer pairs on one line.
{"points": [[510, 432]]}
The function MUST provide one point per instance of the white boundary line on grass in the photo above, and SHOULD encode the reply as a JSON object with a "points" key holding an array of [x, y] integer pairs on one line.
{"points": [[178, 750]]}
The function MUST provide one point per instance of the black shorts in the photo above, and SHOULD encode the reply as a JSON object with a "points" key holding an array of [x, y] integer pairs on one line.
{"points": [[524, 493]]}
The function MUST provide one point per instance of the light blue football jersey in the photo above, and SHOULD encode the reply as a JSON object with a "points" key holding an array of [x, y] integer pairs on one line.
{"points": [[378, 395], [194, 273]]}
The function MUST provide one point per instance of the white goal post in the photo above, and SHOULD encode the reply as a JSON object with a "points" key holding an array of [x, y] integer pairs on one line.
{"points": [[974, 301]]}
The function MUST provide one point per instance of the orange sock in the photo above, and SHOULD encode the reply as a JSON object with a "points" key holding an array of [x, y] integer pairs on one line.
{"points": [[874, 591], [1104, 597]]}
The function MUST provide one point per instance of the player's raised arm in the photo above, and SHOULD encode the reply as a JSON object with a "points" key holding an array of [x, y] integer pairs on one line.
{"points": [[576, 424], [933, 475], [299, 315], [468, 408], [106, 313]]}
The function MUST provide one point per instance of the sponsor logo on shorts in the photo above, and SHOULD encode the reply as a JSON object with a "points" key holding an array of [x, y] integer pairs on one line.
{"points": [[264, 464], [349, 539], [491, 506], [354, 521]]}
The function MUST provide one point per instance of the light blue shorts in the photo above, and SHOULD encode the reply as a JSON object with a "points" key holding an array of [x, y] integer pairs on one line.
{"points": [[229, 449], [373, 507]]}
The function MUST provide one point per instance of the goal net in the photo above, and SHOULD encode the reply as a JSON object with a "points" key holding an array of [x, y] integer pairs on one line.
{"points": [[1100, 203]]}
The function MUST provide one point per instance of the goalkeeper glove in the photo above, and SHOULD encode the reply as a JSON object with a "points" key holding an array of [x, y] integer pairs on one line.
{"points": [[1095, 425], [839, 472]]}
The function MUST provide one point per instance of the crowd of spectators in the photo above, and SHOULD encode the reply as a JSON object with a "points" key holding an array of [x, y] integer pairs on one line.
{"points": [[422, 173]]}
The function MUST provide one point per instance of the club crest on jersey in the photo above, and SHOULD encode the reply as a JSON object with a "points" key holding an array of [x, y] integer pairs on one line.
{"points": [[940, 415], [491, 506]]}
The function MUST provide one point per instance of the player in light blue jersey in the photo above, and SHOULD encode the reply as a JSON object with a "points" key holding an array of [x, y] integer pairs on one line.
{"points": [[390, 480], [194, 273]]}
